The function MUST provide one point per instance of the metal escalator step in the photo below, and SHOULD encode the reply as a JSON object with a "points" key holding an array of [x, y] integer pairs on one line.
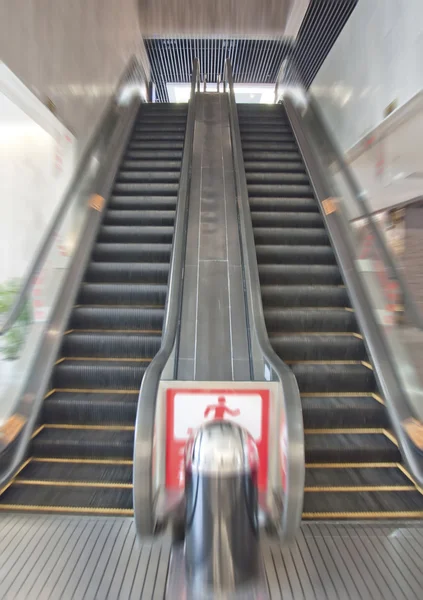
{"points": [[357, 476], [163, 124], [309, 319], [253, 167], [295, 255], [274, 156], [343, 411], [275, 178], [150, 165], [291, 235], [165, 135], [153, 155], [304, 296], [359, 505], [267, 204], [139, 217], [123, 272], [251, 145], [319, 378], [332, 446], [102, 294], [254, 126], [135, 234], [111, 345], [146, 189], [79, 408], [155, 145], [142, 202], [132, 253], [63, 498], [84, 442], [98, 375], [276, 135], [287, 190], [318, 346], [286, 219], [145, 177], [112, 473], [300, 274], [119, 318]]}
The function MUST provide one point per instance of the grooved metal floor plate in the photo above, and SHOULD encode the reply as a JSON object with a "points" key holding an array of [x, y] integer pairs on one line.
{"points": [[59, 557]]}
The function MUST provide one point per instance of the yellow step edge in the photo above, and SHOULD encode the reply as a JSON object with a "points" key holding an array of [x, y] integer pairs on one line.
{"points": [[410, 477], [324, 362], [94, 391], [353, 431], [67, 509], [158, 331], [416, 514], [73, 483], [89, 427], [21, 468], [160, 306], [83, 461], [376, 465], [98, 359], [334, 333], [363, 488]]}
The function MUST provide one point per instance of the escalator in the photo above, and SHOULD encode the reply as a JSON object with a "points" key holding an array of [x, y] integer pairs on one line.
{"points": [[81, 454], [353, 463]]}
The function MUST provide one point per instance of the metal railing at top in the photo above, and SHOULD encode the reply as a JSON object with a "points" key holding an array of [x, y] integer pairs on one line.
{"points": [[267, 365], [133, 72]]}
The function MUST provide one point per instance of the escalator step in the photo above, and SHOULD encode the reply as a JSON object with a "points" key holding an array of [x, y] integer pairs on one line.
{"points": [[312, 296], [276, 178], [119, 317], [111, 345], [286, 219], [147, 177], [98, 375], [141, 234], [300, 274], [154, 155], [275, 156], [253, 167], [151, 165], [90, 408], [293, 204], [329, 447], [333, 378], [132, 252], [274, 190], [309, 319], [276, 135], [122, 294], [174, 124], [123, 272], [139, 217], [156, 145], [93, 499], [251, 145], [96, 472], [295, 255], [141, 202], [144, 189], [363, 504], [62, 442], [290, 235], [319, 346], [343, 411], [151, 135], [356, 477]]}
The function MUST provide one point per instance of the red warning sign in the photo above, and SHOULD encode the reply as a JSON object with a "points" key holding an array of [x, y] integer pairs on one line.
{"points": [[187, 409]]}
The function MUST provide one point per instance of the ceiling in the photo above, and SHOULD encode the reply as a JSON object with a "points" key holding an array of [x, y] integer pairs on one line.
{"points": [[255, 58]]}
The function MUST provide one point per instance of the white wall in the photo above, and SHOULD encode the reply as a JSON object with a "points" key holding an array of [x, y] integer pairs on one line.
{"points": [[377, 58]]}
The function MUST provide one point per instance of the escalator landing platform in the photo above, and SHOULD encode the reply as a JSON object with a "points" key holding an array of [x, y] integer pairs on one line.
{"points": [[57, 556]]}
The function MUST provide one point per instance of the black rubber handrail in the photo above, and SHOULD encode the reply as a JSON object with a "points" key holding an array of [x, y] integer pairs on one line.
{"points": [[145, 495], [50, 236]]}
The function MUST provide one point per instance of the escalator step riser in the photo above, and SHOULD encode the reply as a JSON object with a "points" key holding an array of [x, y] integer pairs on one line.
{"points": [[267, 136], [128, 234], [122, 294], [127, 272], [163, 125], [147, 177], [293, 204], [143, 202], [84, 443], [111, 345], [82, 472], [146, 189], [140, 217], [295, 255], [286, 219], [132, 253], [275, 191], [306, 296], [342, 412], [274, 157], [151, 165], [153, 155], [266, 146], [318, 347], [87, 412], [290, 166], [333, 378], [155, 145], [299, 274], [349, 448], [101, 376], [295, 320], [86, 317], [275, 178], [286, 235], [356, 477], [364, 502], [143, 135]]}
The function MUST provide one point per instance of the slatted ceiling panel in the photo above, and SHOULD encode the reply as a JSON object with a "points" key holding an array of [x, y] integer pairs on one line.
{"points": [[253, 61]]}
